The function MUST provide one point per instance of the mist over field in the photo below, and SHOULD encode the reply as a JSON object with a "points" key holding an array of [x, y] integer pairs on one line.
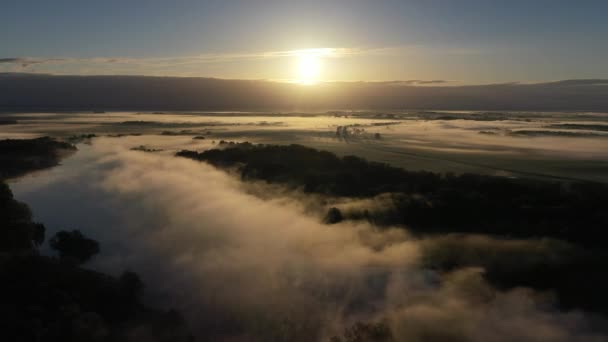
{"points": [[238, 265], [304, 171], [247, 261]]}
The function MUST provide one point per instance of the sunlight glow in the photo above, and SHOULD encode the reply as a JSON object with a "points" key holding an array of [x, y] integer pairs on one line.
{"points": [[309, 68], [309, 64]]}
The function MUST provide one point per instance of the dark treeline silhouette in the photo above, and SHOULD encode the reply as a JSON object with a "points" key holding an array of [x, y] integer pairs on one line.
{"points": [[27, 92], [434, 204], [19, 156], [75, 246], [46, 298], [430, 202]]}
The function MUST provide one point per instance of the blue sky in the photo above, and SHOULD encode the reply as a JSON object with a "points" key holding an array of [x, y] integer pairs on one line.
{"points": [[460, 41]]}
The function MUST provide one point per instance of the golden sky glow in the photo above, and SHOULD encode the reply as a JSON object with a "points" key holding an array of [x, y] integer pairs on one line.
{"points": [[310, 64], [460, 42]]}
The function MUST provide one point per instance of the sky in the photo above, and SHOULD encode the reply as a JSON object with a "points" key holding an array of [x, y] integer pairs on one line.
{"points": [[463, 42]]}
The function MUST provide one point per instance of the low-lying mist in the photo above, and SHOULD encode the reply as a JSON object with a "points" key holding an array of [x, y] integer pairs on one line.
{"points": [[245, 268]]}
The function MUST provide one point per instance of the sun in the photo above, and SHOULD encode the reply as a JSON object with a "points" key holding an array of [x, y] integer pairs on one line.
{"points": [[310, 64], [309, 68]]}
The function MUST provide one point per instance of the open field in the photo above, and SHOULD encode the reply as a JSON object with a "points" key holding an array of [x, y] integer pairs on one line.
{"points": [[459, 142]]}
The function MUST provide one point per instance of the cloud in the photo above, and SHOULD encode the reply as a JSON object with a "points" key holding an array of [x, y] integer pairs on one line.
{"points": [[325, 52], [26, 61], [185, 60], [10, 60], [581, 82], [417, 82]]}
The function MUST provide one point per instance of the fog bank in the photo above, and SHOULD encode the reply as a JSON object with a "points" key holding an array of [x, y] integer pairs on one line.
{"points": [[246, 269]]}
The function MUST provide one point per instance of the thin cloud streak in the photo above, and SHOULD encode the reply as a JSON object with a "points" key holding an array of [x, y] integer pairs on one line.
{"points": [[176, 61], [208, 64], [325, 52]]}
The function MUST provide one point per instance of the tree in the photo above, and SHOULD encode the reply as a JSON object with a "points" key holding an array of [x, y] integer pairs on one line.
{"points": [[74, 245], [131, 284], [17, 231], [333, 216], [38, 232]]}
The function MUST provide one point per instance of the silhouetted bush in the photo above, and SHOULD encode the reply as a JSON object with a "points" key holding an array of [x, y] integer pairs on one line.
{"points": [[17, 231], [333, 216], [131, 284], [74, 245]]}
